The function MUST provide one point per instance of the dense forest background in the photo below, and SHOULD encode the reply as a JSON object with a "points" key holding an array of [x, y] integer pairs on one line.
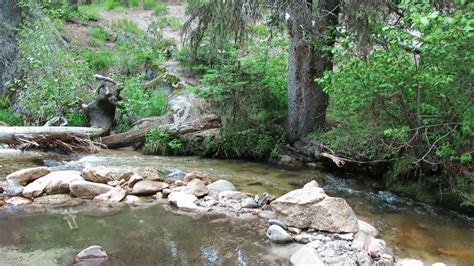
{"points": [[376, 82]]}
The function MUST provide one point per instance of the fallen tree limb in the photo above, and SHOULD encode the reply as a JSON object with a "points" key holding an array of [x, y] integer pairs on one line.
{"points": [[134, 136], [39, 135]]}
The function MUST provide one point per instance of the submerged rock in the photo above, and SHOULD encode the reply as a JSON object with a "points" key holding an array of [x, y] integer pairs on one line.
{"points": [[409, 262], [18, 201], [93, 255], [306, 256], [28, 175], [310, 207], [13, 189], [86, 189], [277, 234], [148, 187], [97, 174], [58, 201], [221, 185]]}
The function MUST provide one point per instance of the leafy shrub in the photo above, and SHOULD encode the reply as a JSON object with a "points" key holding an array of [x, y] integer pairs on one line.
{"points": [[53, 77], [141, 103], [159, 141]]}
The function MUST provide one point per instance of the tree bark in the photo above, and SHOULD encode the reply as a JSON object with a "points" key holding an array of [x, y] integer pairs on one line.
{"points": [[307, 102]]}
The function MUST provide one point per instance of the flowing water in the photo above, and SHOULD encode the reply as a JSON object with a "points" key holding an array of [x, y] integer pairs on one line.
{"points": [[154, 235]]}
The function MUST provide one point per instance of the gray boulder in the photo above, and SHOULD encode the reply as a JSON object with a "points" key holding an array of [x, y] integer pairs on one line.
{"points": [[197, 188], [306, 256], [221, 185], [18, 201], [277, 234], [97, 174], [112, 196], [54, 183], [148, 187], [310, 207], [86, 189], [25, 176], [183, 200], [58, 201]]}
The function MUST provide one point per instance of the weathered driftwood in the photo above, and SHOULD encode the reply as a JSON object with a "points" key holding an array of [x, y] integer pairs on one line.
{"points": [[38, 135], [134, 136]]}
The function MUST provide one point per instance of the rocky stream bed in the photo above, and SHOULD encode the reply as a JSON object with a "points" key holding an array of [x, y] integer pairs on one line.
{"points": [[188, 214]]}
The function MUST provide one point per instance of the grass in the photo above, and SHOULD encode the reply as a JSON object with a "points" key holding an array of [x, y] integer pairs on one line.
{"points": [[127, 25], [161, 8], [100, 59], [90, 12], [98, 35], [173, 22], [149, 4]]}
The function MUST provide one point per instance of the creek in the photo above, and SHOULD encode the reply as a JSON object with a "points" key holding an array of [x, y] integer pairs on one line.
{"points": [[154, 235]]}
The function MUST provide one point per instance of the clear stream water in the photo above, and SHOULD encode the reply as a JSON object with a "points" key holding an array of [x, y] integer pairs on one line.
{"points": [[155, 235]]}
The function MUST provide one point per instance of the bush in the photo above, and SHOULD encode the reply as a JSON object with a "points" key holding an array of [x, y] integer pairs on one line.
{"points": [[141, 103], [77, 119], [159, 141], [52, 76]]}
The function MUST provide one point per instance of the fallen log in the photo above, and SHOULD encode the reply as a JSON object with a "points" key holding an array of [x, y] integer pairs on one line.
{"points": [[134, 136], [38, 135]]}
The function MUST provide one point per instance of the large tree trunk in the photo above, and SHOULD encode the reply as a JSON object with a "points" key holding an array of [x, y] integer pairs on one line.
{"points": [[307, 102]]}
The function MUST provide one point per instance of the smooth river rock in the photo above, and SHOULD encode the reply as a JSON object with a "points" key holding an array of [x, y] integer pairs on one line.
{"points": [[112, 196], [221, 185], [306, 256], [367, 228], [54, 182], [149, 173], [87, 189], [409, 262], [148, 187], [18, 201], [25, 176], [197, 188], [93, 255], [13, 188], [277, 234], [97, 174], [310, 207], [183, 200], [58, 201]]}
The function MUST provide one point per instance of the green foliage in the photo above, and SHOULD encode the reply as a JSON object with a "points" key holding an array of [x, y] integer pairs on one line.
{"points": [[140, 102], [170, 21], [161, 8], [100, 59], [411, 93], [98, 35], [8, 115], [53, 77], [149, 4], [250, 92], [77, 119], [159, 141], [127, 25]]}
